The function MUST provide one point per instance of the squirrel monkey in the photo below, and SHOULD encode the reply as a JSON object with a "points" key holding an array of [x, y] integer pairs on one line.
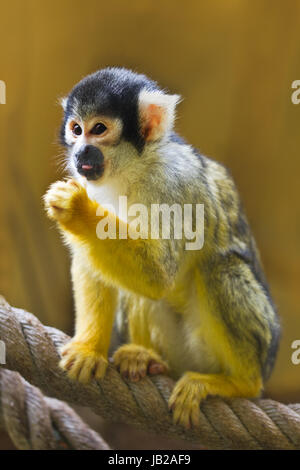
{"points": [[203, 316]]}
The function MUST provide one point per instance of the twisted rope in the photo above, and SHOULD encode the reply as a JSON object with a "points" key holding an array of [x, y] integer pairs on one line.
{"points": [[32, 350], [36, 422]]}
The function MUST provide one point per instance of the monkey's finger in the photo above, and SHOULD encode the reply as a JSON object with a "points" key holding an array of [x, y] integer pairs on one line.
{"points": [[85, 373], [67, 361], [100, 369], [179, 415], [195, 414], [59, 198], [155, 368], [135, 369], [64, 352], [123, 368], [75, 369], [72, 182], [66, 349], [176, 397], [182, 412], [141, 366], [69, 364]]}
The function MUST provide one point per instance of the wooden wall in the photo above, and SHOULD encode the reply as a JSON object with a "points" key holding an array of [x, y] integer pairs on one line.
{"points": [[232, 60]]}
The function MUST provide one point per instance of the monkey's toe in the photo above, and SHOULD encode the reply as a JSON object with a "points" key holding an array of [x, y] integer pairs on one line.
{"points": [[156, 368], [82, 363], [134, 362]]}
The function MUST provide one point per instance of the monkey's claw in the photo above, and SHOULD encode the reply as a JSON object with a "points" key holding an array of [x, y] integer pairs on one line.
{"points": [[81, 362], [134, 362], [60, 199]]}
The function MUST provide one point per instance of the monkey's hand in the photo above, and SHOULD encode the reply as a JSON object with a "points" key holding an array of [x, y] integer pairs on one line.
{"points": [[82, 362], [134, 362], [65, 199]]}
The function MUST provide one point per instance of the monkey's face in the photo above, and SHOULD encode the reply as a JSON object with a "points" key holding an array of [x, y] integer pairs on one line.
{"points": [[90, 142], [111, 118]]}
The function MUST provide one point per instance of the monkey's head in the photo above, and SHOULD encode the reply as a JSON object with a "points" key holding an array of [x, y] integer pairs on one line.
{"points": [[110, 118]]}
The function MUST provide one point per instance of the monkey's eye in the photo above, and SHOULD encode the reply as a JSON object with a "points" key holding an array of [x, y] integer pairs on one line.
{"points": [[77, 129], [98, 128]]}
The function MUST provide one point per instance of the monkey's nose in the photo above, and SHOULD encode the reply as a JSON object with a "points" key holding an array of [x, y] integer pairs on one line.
{"points": [[90, 162]]}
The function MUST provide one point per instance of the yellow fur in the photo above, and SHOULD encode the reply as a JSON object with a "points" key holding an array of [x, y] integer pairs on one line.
{"points": [[159, 311]]}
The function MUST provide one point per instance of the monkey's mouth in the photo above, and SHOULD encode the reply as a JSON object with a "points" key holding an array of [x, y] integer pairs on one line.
{"points": [[91, 171]]}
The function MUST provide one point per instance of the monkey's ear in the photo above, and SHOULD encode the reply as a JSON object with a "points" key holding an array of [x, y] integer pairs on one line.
{"points": [[63, 102], [156, 113]]}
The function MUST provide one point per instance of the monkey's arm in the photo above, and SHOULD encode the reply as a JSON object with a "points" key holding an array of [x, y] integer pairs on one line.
{"points": [[85, 356], [140, 265]]}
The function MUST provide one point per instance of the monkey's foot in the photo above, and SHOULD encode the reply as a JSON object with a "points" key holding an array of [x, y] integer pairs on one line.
{"points": [[81, 362], [193, 387], [61, 199], [186, 397], [134, 362]]}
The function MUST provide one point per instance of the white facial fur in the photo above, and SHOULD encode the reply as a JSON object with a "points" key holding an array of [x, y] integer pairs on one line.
{"points": [[124, 165]]}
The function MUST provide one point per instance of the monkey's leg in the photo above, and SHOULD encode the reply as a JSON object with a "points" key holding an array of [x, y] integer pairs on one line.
{"points": [[194, 387], [138, 358], [85, 356], [238, 324]]}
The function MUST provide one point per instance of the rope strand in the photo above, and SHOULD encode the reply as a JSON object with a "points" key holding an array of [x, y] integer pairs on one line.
{"points": [[32, 350], [36, 422]]}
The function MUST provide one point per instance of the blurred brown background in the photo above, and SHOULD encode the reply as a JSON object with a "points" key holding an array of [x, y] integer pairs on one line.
{"points": [[232, 61]]}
